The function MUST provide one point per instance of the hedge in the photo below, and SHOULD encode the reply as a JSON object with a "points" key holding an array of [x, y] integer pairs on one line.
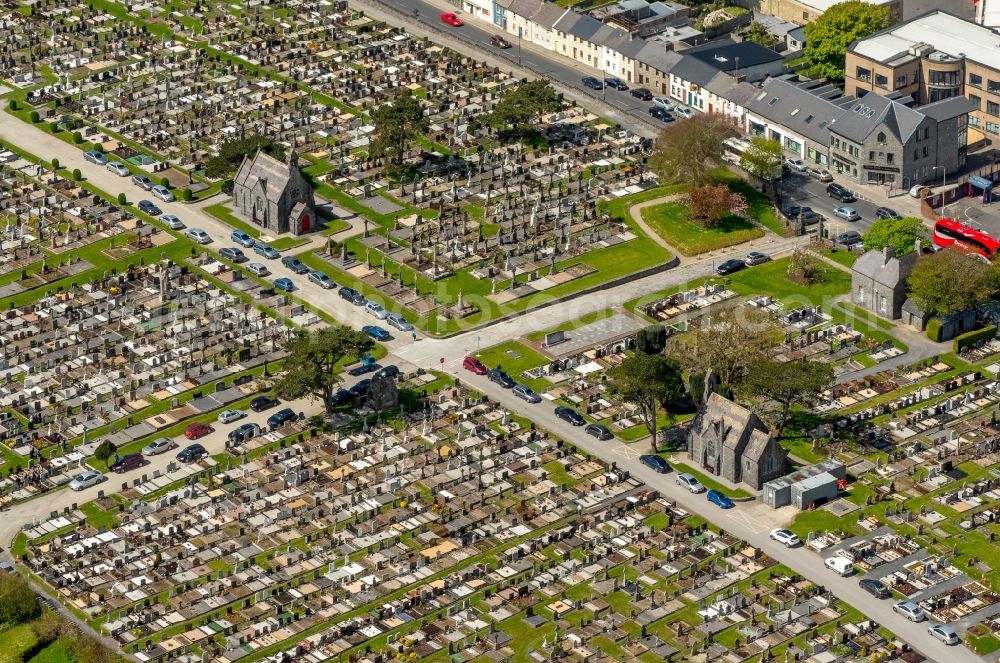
{"points": [[973, 337], [934, 330]]}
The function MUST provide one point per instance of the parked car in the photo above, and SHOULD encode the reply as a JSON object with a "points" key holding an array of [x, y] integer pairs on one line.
{"points": [[886, 213], [281, 417], [163, 193], [142, 182], [352, 295], [756, 258], [839, 565], [364, 367], [158, 446], [244, 432], [847, 213], [262, 403], [526, 393], [376, 332], [294, 264], [499, 376], [797, 164], [149, 207], [910, 610], [265, 250], [390, 371], [197, 430], [821, 174], [233, 253], [600, 431], [258, 269], [242, 238], [837, 191], [690, 482], [119, 169], [944, 633], [683, 111], [641, 93], [730, 266], [127, 463], [663, 102], [192, 453], [399, 322], [660, 114], [593, 83], [499, 42], [919, 191], [570, 415], [95, 156], [198, 235], [875, 588], [284, 284], [786, 537], [322, 279], [86, 480], [360, 388], [374, 308], [719, 499], [655, 463], [451, 19], [172, 222], [474, 365], [341, 397], [848, 238], [230, 415]]}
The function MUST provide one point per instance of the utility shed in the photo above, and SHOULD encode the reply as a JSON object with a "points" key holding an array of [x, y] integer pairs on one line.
{"points": [[783, 491], [817, 489]]}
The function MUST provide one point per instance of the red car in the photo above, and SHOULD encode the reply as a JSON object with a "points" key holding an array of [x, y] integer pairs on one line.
{"points": [[474, 365], [197, 430], [451, 19]]}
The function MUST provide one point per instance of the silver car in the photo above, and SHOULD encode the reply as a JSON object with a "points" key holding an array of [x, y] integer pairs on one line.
{"points": [[690, 482], [910, 610], [172, 222], [524, 392], [944, 633], [86, 480], [158, 446]]}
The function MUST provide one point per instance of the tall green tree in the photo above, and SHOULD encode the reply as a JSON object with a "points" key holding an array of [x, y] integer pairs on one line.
{"points": [[687, 151], [398, 124], [726, 343], [233, 152], [758, 34], [311, 365], [649, 382], [519, 108], [900, 234], [783, 384], [948, 281], [828, 37], [762, 158], [105, 450]]}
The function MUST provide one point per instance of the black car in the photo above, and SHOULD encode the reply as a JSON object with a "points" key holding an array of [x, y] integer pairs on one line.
{"points": [[848, 238], [875, 588], [615, 83], [360, 388], [244, 432], [501, 378], [148, 207], [599, 431], [642, 93], [730, 266], [390, 371], [837, 191], [886, 213], [661, 114], [192, 453], [570, 415], [281, 417], [294, 264], [262, 403], [341, 397], [791, 212], [353, 296], [592, 83], [363, 368]]}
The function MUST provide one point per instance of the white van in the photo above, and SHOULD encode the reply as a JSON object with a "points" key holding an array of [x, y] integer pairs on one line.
{"points": [[840, 565]]}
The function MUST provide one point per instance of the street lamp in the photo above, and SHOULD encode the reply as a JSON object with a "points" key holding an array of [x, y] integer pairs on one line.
{"points": [[520, 29], [944, 174]]}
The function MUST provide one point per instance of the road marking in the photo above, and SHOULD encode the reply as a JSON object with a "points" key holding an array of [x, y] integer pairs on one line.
{"points": [[750, 522], [627, 451]]}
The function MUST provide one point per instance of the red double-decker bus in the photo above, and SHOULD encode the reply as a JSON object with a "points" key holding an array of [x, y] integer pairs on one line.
{"points": [[951, 233]]}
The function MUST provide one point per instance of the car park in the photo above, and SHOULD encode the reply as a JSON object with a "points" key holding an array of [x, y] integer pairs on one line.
{"points": [[600, 431], [262, 403], [86, 480], [785, 536], [360, 388], [95, 156], [526, 393], [198, 235], [570, 415], [172, 222], [593, 83], [719, 499], [474, 365], [284, 283], [197, 430], [127, 463], [820, 174], [886, 213], [839, 565], [142, 182], [660, 114], [847, 213], [158, 446], [294, 264], [451, 19], [352, 295], [119, 169], [689, 481], [797, 164], [399, 322], [499, 42], [641, 93], [281, 417], [875, 587], [265, 250], [655, 463], [258, 269], [230, 415], [244, 432], [837, 191], [322, 279], [730, 266], [615, 83], [756, 258], [945, 634], [192, 453], [234, 254], [163, 193], [910, 610], [499, 376], [848, 238], [242, 238], [376, 332], [148, 207], [374, 308], [390, 371], [684, 112]]}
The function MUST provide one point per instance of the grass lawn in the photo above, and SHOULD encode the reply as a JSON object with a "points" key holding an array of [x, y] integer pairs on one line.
{"points": [[98, 517], [770, 279], [60, 651], [759, 207], [15, 641], [706, 480], [845, 258], [288, 243], [222, 213], [514, 364], [670, 221], [870, 318], [983, 644]]}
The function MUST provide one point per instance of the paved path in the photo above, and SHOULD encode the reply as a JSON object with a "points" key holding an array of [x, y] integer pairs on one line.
{"points": [[636, 212]]}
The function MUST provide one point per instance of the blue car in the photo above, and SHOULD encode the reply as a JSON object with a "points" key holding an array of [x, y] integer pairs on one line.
{"points": [[376, 332], [654, 462], [284, 283], [242, 238], [262, 249], [719, 500]]}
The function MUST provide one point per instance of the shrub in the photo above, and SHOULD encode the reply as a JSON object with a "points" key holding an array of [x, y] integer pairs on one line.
{"points": [[651, 340], [186, 194], [77, 137], [165, 182], [13, 104], [35, 117], [54, 127], [934, 330], [77, 175], [122, 199], [971, 338], [55, 164]]}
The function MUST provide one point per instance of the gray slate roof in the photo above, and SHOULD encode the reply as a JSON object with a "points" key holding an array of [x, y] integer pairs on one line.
{"points": [[797, 108], [874, 111], [884, 267], [948, 108], [266, 168]]}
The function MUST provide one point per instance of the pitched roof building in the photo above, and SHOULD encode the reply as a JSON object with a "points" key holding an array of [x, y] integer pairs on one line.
{"points": [[878, 281], [275, 195]]}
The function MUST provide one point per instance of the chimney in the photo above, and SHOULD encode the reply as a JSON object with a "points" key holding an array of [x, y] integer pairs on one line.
{"points": [[889, 252]]}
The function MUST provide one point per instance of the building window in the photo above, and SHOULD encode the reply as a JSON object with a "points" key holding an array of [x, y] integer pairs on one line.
{"points": [[881, 81], [882, 304], [793, 146], [925, 151], [976, 101], [993, 87], [974, 121], [993, 127], [861, 294], [993, 108], [927, 133], [943, 78], [901, 80], [881, 138], [975, 80], [890, 157], [871, 155], [863, 74], [860, 92]]}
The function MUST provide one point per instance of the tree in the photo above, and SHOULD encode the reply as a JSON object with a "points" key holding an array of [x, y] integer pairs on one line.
{"points": [[651, 340], [758, 34], [122, 199], [709, 204], [948, 281], [519, 108], [18, 603], [34, 117], [688, 150], [900, 234], [828, 37], [77, 175], [804, 268], [726, 343], [77, 137], [105, 451], [55, 164], [233, 152], [783, 383], [397, 124], [649, 382], [311, 364], [762, 158]]}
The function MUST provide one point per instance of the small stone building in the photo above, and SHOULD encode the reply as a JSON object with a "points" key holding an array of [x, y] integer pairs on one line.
{"points": [[878, 281], [732, 442], [275, 195]]}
